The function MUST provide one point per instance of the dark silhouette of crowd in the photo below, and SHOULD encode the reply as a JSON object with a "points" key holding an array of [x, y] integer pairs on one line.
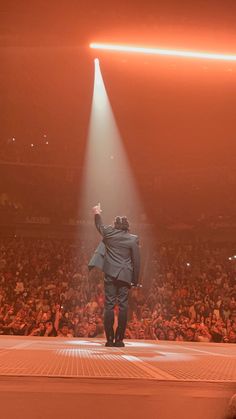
{"points": [[188, 293]]}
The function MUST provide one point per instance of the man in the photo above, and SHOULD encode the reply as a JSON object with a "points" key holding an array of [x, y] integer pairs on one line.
{"points": [[118, 256]]}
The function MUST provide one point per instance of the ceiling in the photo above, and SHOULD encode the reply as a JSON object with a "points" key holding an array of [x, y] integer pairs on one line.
{"points": [[172, 112]]}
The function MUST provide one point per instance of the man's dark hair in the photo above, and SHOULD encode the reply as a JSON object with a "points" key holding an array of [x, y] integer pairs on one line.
{"points": [[121, 223]]}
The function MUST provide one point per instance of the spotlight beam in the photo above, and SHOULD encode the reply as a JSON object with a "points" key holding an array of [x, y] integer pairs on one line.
{"points": [[108, 177], [163, 52]]}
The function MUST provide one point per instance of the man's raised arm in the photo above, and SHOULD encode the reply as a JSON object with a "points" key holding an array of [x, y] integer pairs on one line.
{"points": [[98, 219]]}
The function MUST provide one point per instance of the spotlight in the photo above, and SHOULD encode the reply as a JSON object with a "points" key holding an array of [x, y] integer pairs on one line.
{"points": [[107, 175], [165, 52]]}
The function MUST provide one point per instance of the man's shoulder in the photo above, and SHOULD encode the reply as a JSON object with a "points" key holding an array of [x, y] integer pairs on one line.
{"points": [[133, 237], [108, 229]]}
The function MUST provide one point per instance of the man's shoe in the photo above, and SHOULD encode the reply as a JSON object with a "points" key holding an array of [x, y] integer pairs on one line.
{"points": [[109, 343], [119, 344]]}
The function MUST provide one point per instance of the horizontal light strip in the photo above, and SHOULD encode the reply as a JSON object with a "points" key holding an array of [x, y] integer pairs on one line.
{"points": [[168, 52]]}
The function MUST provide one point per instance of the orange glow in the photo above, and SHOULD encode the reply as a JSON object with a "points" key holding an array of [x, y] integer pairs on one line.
{"points": [[165, 52]]}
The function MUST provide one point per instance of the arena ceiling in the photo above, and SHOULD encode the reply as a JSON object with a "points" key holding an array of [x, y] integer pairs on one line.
{"points": [[171, 112]]}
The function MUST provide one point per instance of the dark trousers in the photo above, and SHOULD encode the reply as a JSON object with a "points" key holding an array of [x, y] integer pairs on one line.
{"points": [[116, 291]]}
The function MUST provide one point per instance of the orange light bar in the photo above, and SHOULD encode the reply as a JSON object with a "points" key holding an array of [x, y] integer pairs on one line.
{"points": [[167, 52]]}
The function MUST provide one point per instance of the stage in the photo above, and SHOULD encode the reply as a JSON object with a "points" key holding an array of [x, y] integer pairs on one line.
{"points": [[81, 378]]}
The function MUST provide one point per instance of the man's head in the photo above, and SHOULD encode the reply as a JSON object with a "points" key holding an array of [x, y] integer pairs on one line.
{"points": [[121, 223]]}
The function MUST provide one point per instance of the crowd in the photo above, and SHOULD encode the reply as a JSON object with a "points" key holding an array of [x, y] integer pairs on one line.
{"points": [[188, 294], [192, 296]]}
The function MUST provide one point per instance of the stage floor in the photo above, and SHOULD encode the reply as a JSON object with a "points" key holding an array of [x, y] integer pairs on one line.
{"points": [[161, 379]]}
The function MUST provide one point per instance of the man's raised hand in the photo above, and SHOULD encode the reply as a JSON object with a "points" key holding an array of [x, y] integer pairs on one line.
{"points": [[97, 209]]}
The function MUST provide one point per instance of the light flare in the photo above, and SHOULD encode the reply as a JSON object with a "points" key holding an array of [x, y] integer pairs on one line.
{"points": [[164, 52]]}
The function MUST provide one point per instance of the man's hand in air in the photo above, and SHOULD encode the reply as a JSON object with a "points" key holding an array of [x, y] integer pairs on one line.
{"points": [[97, 209]]}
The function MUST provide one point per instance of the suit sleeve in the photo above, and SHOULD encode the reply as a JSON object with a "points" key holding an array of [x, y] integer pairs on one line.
{"points": [[99, 224], [136, 261]]}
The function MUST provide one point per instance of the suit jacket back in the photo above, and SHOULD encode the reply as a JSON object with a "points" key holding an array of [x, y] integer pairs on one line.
{"points": [[120, 255]]}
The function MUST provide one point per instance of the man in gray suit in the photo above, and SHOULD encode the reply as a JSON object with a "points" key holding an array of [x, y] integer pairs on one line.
{"points": [[118, 256]]}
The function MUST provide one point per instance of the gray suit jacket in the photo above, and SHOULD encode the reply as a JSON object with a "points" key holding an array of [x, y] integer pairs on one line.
{"points": [[97, 260], [118, 254]]}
